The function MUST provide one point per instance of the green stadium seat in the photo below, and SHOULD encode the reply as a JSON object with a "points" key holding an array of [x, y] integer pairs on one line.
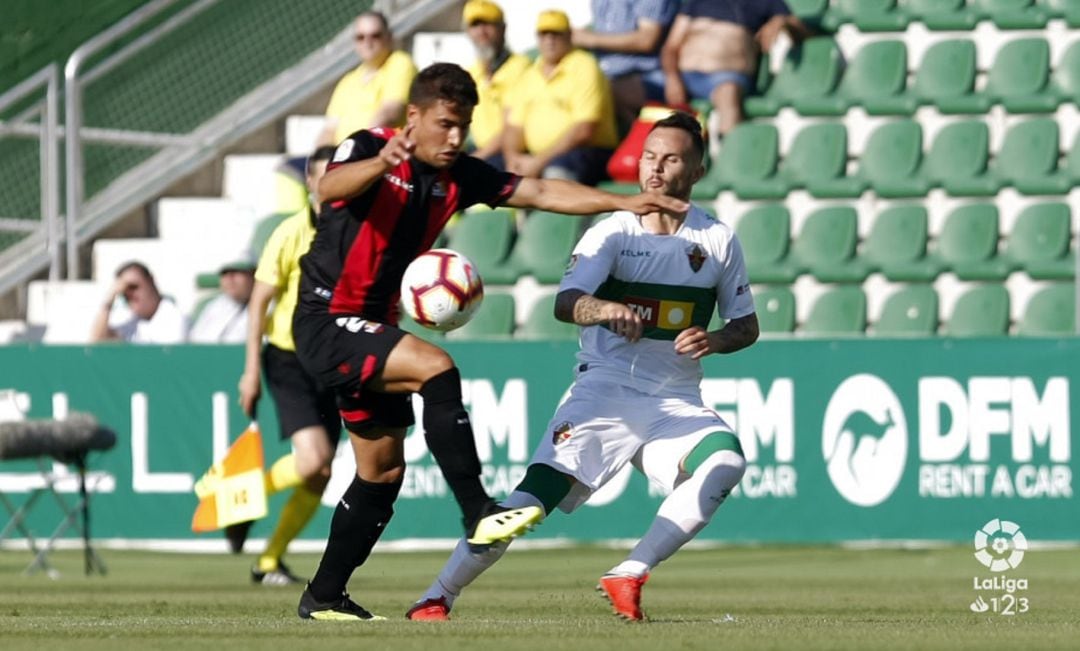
{"points": [[818, 153], [775, 307], [810, 71], [942, 14], [542, 249], [867, 15], [1039, 242], [1067, 9], [542, 324], [910, 311], [749, 154], [875, 80], [765, 234], [839, 311], [485, 237], [1066, 77], [896, 245], [982, 311], [826, 245], [1011, 14], [968, 243], [958, 160], [1020, 76], [1029, 156], [946, 78], [494, 320], [1050, 312], [808, 8], [889, 164]]}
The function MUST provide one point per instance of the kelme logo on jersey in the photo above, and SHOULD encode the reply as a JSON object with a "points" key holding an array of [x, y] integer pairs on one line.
{"points": [[696, 256], [864, 439], [562, 432], [669, 315]]}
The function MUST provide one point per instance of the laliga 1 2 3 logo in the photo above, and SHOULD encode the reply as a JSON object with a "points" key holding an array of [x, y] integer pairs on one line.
{"points": [[1000, 545], [864, 439]]}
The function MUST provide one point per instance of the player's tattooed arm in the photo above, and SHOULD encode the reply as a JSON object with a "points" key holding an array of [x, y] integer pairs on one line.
{"points": [[583, 309], [735, 335]]}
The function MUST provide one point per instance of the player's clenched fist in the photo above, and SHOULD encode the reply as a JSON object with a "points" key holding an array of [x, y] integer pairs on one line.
{"points": [[399, 148], [623, 321]]}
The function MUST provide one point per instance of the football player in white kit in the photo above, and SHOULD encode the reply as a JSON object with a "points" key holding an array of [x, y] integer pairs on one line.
{"points": [[643, 289]]}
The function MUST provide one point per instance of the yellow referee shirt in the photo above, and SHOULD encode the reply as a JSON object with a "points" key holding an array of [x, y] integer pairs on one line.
{"points": [[279, 266], [360, 93], [577, 91], [496, 95]]}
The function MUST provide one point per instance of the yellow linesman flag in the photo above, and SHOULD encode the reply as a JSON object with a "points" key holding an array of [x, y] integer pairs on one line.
{"points": [[233, 489], [675, 315]]}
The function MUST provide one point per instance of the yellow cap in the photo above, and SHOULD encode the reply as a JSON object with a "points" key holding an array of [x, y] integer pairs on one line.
{"points": [[483, 11], [552, 20]]}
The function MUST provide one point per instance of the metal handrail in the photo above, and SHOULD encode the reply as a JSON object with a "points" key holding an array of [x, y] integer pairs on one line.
{"points": [[50, 167], [73, 116]]}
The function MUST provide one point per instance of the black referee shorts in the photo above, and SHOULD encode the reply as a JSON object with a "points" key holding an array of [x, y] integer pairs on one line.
{"points": [[297, 399], [343, 353]]}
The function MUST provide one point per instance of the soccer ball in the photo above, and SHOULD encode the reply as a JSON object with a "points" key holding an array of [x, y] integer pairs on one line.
{"points": [[441, 290]]}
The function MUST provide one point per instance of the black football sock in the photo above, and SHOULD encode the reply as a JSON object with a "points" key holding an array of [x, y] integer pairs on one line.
{"points": [[359, 519], [449, 436]]}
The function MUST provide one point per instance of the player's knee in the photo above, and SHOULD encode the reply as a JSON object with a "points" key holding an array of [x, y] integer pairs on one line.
{"points": [[717, 448]]}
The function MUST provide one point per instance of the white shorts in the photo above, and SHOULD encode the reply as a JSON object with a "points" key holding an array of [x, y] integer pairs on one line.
{"points": [[603, 425]]}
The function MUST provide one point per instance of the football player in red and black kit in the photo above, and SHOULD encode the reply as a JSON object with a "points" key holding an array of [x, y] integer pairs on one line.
{"points": [[386, 198]]}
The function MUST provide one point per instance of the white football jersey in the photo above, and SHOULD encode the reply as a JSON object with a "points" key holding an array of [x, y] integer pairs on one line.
{"points": [[671, 281]]}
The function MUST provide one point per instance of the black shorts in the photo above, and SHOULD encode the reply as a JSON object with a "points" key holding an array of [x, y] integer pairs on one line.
{"points": [[297, 399], [342, 353]]}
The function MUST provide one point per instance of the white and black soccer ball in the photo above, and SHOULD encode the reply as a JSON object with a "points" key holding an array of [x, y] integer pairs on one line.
{"points": [[441, 290]]}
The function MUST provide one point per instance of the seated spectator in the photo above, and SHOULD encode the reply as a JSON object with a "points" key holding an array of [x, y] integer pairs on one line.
{"points": [[712, 51], [148, 318], [374, 94], [626, 36], [223, 320], [561, 122], [495, 71]]}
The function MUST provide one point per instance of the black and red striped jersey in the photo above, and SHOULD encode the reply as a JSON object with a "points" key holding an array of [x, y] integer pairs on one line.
{"points": [[362, 246]]}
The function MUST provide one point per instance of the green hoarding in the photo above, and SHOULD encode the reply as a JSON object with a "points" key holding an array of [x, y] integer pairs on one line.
{"points": [[846, 440]]}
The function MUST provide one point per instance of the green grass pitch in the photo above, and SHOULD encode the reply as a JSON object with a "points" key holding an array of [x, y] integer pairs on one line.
{"points": [[721, 598]]}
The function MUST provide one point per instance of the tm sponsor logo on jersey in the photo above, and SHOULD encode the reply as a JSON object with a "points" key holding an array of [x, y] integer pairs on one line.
{"points": [[661, 313]]}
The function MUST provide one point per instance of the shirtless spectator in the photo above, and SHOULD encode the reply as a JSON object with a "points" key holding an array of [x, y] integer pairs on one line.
{"points": [[713, 48], [626, 36]]}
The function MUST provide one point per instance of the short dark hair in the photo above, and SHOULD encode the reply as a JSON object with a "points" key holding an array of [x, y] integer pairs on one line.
{"points": [[443, 81], [321, 153], [684, 122], [141, 268]]}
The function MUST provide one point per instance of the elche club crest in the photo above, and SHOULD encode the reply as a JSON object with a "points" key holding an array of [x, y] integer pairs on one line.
{"points": [[696, 256], [562, 432]]}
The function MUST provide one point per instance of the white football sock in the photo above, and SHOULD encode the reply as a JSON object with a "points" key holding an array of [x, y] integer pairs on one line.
{"points": [[464, 566], [685, 512]]}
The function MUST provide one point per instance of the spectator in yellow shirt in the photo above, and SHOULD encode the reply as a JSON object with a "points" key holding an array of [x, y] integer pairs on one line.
{"points": [[562, 120], [375, 92], [495, 71]]}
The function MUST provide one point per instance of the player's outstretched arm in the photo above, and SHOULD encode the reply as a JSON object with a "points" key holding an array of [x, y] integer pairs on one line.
{"points": [[573, 198], [580, 308]]}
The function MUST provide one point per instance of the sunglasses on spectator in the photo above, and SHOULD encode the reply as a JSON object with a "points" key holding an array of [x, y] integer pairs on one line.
{"points": [[373, 36]]}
